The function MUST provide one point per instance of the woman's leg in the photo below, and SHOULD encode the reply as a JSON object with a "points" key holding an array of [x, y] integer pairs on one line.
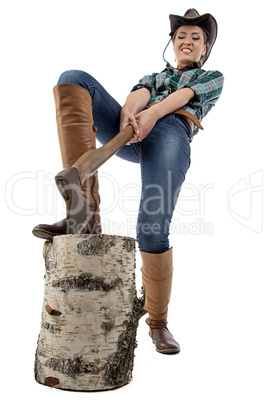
{"points": [[165, 155], [106, 111], [165, 161], [79, 100]]}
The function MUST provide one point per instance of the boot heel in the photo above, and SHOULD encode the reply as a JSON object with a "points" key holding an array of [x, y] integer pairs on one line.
{"points": [[78, 211]]}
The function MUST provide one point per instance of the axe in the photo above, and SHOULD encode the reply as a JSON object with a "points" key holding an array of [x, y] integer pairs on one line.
{"points": [[69, 183], [93, 159]]}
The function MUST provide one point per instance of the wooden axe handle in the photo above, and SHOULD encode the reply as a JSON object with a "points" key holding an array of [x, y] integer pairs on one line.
{"points": [[93, 159]]}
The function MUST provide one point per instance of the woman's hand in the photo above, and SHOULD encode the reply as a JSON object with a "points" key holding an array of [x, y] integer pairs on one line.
{"points": [[146, 120], [127, 118], [135, 102]]}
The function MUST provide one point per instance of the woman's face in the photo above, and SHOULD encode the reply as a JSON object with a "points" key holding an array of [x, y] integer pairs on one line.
{"points": [[188, 45]]}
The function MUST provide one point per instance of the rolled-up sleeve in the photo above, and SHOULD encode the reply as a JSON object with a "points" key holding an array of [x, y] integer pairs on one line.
{"points": [[146, 82], [208, 87]]}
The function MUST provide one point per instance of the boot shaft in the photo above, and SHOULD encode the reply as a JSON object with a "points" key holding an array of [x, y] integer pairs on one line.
{"points": [[76, 133], [74, 122], [157, 272]]}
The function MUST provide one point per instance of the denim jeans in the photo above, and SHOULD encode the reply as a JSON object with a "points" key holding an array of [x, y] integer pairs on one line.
{"points": [[164, 158]]}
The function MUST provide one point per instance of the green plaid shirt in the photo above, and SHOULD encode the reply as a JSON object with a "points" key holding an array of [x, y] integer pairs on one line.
{"points": [[207, 86]]}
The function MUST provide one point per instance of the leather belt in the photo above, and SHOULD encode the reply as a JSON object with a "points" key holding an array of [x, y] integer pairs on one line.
{"points": [[191, 119]]}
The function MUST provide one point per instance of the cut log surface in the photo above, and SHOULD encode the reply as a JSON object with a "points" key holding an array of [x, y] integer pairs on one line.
{"points": [[90, 313]]}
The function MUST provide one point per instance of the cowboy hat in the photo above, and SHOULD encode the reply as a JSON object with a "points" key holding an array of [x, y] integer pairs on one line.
{"points": [[206, 21]]}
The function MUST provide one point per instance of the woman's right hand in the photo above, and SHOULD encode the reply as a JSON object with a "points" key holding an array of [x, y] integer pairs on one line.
{"points": [[126, 118]]}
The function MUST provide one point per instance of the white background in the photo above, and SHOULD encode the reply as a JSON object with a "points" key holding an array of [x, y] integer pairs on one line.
{"points": [[218, 310]]}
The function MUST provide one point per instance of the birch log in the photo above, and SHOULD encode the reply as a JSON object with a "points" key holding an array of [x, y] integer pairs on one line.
{"points": [[90, 313]]}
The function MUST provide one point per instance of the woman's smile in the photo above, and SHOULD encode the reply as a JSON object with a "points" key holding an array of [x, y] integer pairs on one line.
{"points": [[186, 50]]}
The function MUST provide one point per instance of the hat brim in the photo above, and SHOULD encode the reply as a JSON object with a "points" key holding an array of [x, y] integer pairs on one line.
{"points": [[206, 22]]}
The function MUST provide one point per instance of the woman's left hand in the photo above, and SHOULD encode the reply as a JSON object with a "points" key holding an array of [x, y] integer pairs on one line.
{"points": [[146, 120]]}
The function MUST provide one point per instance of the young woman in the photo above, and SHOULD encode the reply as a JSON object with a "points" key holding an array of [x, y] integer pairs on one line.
{"points": [[157, 122]]}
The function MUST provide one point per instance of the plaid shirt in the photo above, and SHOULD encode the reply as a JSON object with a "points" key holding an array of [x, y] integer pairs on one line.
{"points": [[207, 86]]}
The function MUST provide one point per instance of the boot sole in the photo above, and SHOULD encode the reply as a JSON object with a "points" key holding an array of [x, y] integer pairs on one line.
{"points": [[46, 234], [43, 234], [168, 351]]}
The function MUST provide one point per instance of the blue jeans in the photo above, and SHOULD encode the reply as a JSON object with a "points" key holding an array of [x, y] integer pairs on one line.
{"points": [[164, 158]]}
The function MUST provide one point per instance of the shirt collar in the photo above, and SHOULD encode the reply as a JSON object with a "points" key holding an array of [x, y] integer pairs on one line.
{"points": [[190, 66]]}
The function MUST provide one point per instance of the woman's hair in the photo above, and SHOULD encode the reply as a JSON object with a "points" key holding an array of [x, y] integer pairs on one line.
{"points": [[200, 62]]}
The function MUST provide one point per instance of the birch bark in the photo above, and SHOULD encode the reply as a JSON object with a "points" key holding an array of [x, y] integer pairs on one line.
{"points": [[90, 313]]}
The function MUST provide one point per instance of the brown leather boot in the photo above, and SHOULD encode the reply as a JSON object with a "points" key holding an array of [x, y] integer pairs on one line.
{"points": [[76, 133], [157, 272]]}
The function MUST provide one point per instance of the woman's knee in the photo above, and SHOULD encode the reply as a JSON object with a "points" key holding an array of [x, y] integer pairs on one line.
{"points": [[77, 77]]}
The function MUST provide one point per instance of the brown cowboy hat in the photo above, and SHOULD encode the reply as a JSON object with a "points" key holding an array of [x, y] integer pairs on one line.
{"points": [[206, 21]]}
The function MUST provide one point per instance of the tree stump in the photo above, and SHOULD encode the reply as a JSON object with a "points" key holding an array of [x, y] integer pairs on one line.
{"points": [[90, 313]]}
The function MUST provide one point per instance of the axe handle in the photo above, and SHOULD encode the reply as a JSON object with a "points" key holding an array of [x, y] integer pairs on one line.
{"points": [[93, 159], [116, 143]]}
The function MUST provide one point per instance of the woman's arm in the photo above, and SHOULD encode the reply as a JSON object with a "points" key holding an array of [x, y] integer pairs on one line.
{"points": [[173, 102], [147, 118], [135, 102]]}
